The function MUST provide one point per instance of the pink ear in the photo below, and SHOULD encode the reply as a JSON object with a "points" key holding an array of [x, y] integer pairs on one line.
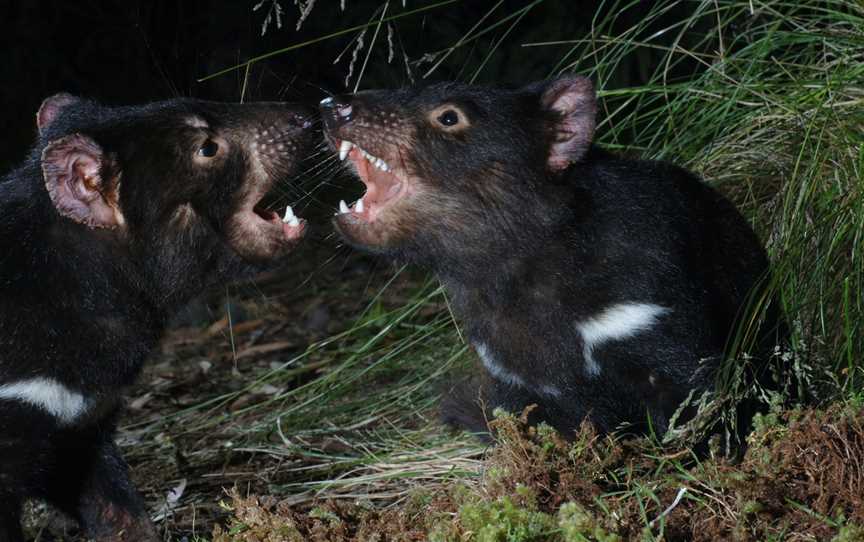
{"points": [[573, 100], [51, 107], [72, 167]]}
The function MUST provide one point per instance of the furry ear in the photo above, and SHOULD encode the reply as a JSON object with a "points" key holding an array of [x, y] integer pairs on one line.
{"points": [[72, 168], [51, 107], [572, 102]]}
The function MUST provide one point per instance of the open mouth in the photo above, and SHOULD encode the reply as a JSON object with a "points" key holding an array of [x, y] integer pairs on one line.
{"points": [[291, 226], [383, 186], [258, 232]]}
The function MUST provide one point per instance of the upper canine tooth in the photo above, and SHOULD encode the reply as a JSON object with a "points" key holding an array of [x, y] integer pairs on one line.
{"points": [[344, 149], [358, 207], [343, 207], [380, 163]]}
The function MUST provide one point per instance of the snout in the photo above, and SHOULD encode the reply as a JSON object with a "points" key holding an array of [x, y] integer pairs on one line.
{"points": [[276, 137], [285, 118], [336, 111], [281, 135], [290, 116], [300, 116]]}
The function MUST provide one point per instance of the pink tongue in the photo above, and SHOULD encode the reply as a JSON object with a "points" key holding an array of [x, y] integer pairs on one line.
{"points": [[380, 185]]}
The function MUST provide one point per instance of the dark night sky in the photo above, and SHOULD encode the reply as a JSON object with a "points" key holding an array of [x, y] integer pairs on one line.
{"points": [[127, 51]]}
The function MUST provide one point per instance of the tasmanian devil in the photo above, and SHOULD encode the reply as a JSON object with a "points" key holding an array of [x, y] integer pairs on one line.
{"points": [[590, 285], [118, 216]]}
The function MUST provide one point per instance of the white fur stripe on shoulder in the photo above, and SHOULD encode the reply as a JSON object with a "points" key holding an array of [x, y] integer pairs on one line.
{"points": [[49, 395], [495, 369], [615, 323], [500, 373]]}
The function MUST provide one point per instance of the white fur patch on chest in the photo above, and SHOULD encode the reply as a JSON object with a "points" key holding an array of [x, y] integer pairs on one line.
{"points": [[49, 395], [616, 322]]}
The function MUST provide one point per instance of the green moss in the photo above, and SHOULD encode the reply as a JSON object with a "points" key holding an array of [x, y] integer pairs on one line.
{"points": [[579, 525], [497, 473], [548, 437], [325, 515], [444, 531], [503, 520], [849, 533], [762, 423]]}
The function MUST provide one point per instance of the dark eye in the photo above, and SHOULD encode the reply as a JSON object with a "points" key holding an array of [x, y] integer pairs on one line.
{"points": [[208, 149], [449, 118]]}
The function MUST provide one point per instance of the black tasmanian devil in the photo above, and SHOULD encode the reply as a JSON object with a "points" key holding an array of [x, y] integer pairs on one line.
{"points": [[589, 285], [118, 216]]}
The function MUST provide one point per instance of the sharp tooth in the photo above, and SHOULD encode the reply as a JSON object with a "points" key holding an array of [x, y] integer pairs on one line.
{"points": [[343, 207], [358, 207], [344, 149], [386, 167], [380, 163], [289, 215], [294, 222]]}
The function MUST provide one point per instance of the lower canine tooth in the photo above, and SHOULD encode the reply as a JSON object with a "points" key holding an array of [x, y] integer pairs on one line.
{"points": [[289, 215], [358, 207], [343, 207], [294, 222]]}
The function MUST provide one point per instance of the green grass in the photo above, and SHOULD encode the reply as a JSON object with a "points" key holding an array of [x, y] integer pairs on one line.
{"points": [[765, 99]]}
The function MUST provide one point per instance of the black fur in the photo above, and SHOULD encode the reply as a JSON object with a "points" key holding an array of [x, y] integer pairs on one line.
{"points": [[532, 231], [83, 306]]}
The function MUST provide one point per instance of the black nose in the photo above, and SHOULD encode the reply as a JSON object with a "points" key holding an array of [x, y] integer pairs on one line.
{"points": [[336, 111]]}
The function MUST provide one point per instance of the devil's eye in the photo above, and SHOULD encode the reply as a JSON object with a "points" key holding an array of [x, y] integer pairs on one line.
{"points": [[208, 149], [449, 118]]}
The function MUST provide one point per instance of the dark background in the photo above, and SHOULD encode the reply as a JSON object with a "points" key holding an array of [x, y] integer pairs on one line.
{"points": [[127, 51]]}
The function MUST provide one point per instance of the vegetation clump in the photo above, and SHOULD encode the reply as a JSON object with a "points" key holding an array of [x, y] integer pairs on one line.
{"points": [[802, 479]]}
